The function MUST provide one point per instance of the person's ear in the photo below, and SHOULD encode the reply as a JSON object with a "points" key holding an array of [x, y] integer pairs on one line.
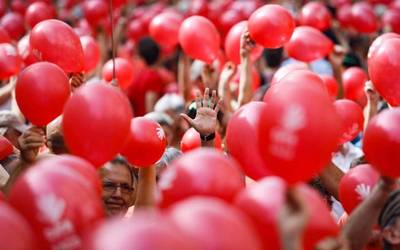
{"points": [[391, 235]]}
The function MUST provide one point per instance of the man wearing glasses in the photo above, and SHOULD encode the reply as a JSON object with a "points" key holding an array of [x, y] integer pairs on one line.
{"points": [[119, 186]]}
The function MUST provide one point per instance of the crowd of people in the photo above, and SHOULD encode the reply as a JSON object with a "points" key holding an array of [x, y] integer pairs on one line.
{"points": [[220, 124]]}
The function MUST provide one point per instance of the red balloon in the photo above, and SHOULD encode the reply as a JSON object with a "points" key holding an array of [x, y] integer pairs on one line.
{"points": [[91, 51], [3, 7], [378, 42], [19, 6], [191, 140], [285, 70], [241, 139], [232, 44], [383, 67], [353, 80], [200, 172], [308, 44], [25, 51], [262, 202], [246, 8], [164, 28], [145, 230], [391, 19], [276, 20], [32, 87], [63, 49], [106, 107], [13, 23], [363, 18], [89, 176], [146, 143], [198, 7], [124, 72], [331, 84], [136, 30], [395, 4], [51, 202], [37, 12], [214, 224], [4, 37], [199, 38], [95, 11], [6, 148], [255, 80], [356, 185], [293, 141], [15, 230], [321, 224], [352, 118], [10, 61], [344, 15], [382, 142], [228, 19], [315, 14]]}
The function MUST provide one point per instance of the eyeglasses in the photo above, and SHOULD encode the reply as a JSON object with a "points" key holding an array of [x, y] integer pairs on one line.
{"points": [[112, 187]]}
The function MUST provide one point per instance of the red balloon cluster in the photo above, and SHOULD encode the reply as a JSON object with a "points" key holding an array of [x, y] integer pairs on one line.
{"points": [[37, 12], [124, 72], [94, 128], [263, 201], [232, 44], [146, 142], [315, 14], [356, 185], [244, 148], [49, 197], [25, 51], [65, 49], [391, 19], [308, 44], [293, 141], [10, 61], [214, 224], [4, 37], [352, 118], [199, 38], [383, 63], [164, 28], [145, 230], [363, 18], [32, 87], [381, 142], [6, 148], [353, 80], [191, 140], [91, 52], [285, 70], [200, 172], [344, 15], [276, 20]]}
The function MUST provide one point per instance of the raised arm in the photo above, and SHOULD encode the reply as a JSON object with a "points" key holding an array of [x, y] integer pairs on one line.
{"points": [[245, 83]]}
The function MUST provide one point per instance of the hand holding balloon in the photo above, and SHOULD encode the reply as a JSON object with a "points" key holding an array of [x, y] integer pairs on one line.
{"points": [[76, 80], [30, 142], [247, 44]]}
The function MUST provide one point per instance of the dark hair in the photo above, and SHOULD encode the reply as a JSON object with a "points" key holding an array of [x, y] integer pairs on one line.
{"points": [[273, 57], [149, 50], [122, 161]]}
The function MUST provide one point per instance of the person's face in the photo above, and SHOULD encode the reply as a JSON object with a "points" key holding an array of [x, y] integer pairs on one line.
{"points": [[392, 233], [118, 189]]}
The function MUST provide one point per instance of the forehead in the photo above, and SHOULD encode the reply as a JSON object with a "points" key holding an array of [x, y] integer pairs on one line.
{"points": [[117, 173]]}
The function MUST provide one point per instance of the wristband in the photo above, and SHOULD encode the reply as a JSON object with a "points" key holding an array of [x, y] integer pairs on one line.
{"points": [[209, 137]]}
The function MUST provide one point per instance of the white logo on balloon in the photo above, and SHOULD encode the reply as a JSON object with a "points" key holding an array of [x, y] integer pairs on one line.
{"points": [[58, 231], [284, 138], [363, 191]]}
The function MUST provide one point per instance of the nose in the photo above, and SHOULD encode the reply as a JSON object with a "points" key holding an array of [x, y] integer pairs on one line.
{"points": [[118, 192]]}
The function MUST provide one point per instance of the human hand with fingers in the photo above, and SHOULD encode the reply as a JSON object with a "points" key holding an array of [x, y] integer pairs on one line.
{"points": [[30, 142], [76, 80], [247, 44], [207, 108]]}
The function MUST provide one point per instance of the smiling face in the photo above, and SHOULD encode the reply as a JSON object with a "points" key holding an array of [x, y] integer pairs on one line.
{"points": [[118, 188]]}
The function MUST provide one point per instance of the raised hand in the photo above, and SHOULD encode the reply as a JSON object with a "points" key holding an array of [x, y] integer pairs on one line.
{"points": [[205, 121], [76, 80], [246, 44], [30, 143]]}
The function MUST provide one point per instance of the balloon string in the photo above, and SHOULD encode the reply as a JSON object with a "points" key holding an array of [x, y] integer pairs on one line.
{"points": [[112, 41]]}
